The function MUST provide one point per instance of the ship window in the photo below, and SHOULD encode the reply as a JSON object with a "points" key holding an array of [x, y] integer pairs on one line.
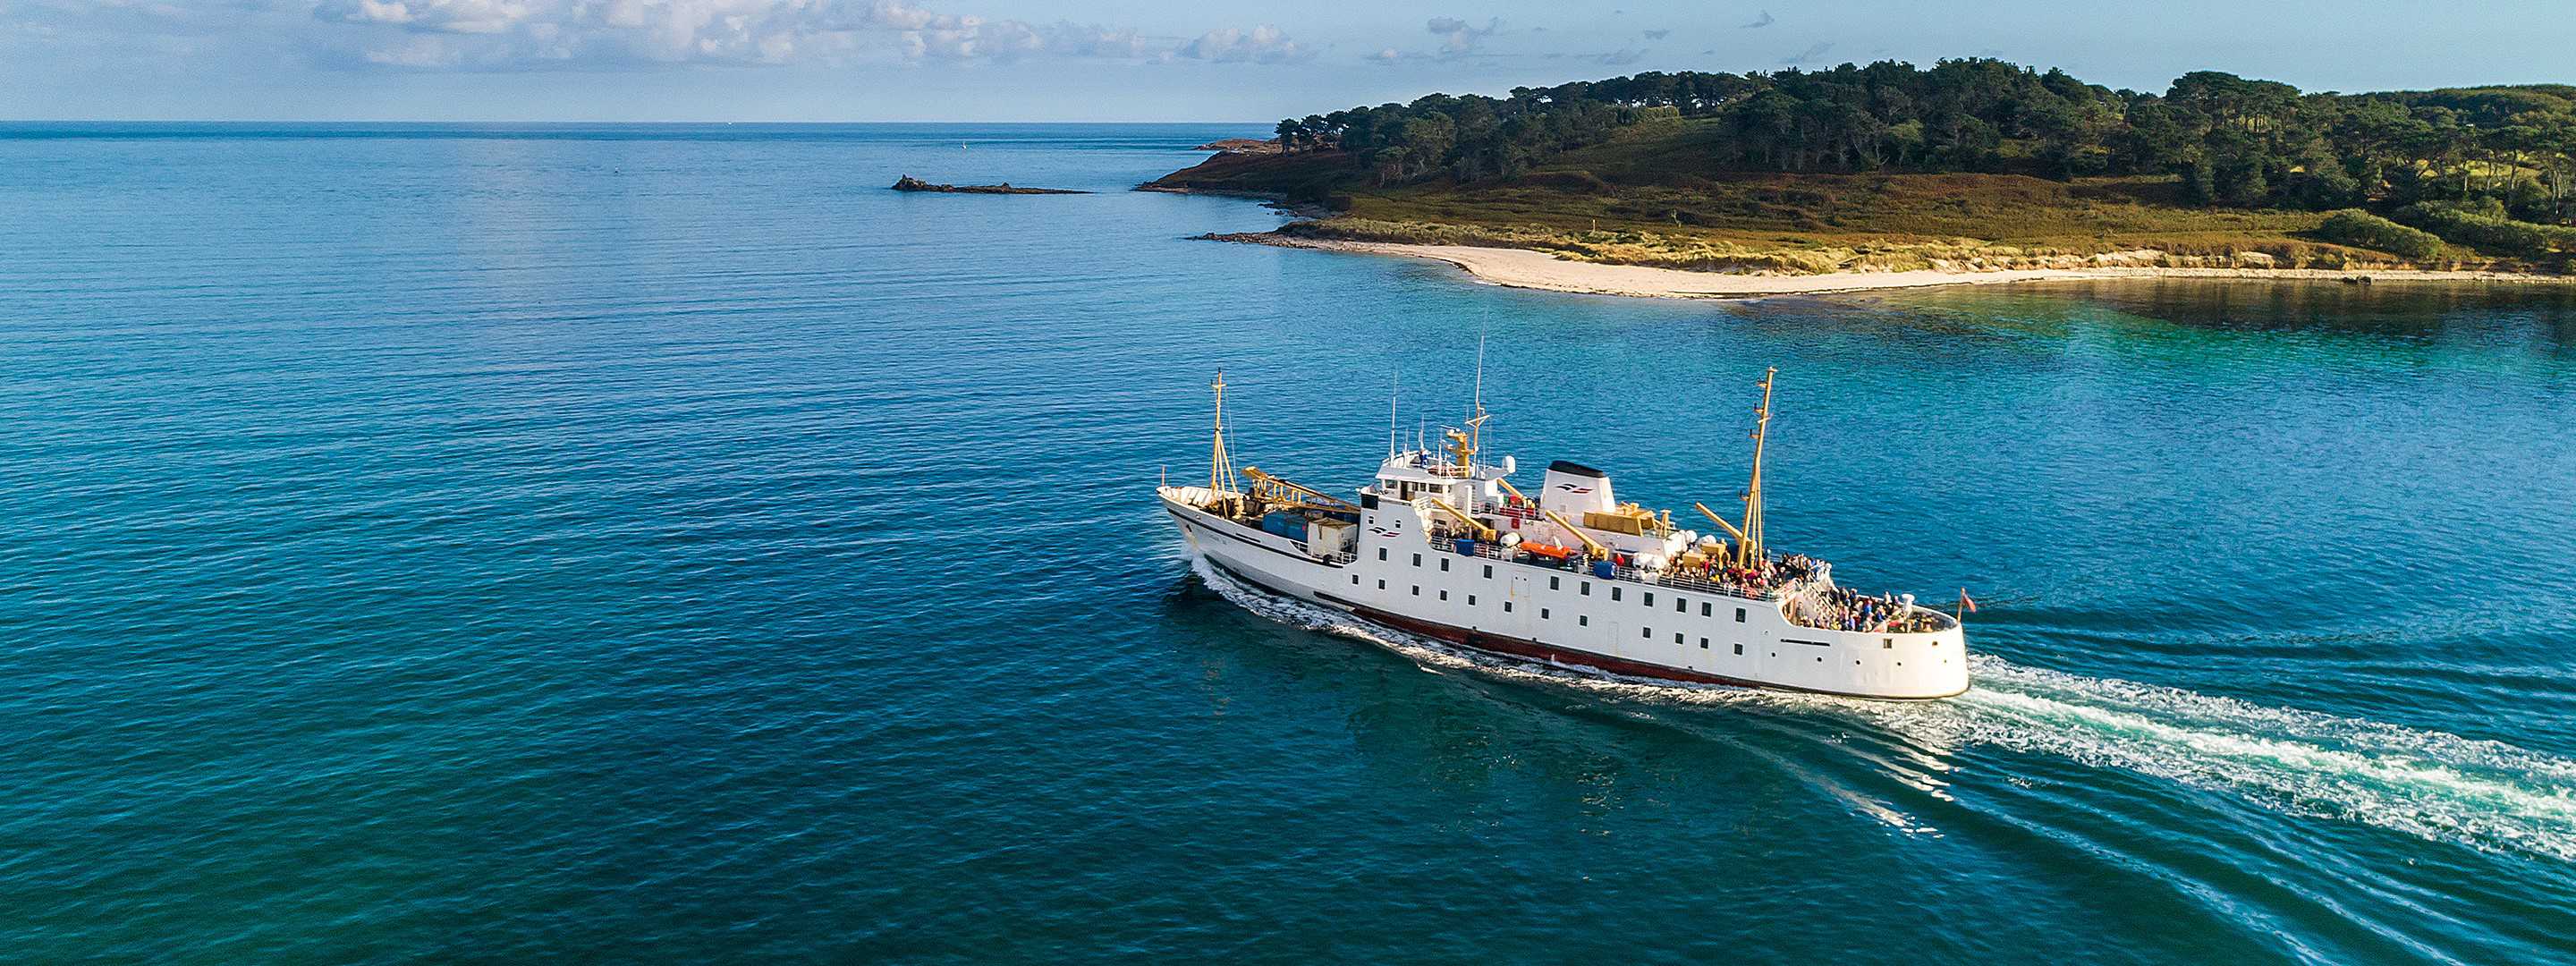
{"points": [[1381, 553], [1582, 620], [1680, 605], [1552, 583], [1444, 595], [1614, 593], [1645, 632], [1417, 560], [1381, 585], [1650, 598], [1542, 613], [1704, 608], [1444, 564], [1507, 607], [1587, 586], [1677, 638], [1739, 615], [1355, 580], [1471, 600], [1887, 643], [1739, 648], [1703, 643], [1489, 571], [1417, 590]]}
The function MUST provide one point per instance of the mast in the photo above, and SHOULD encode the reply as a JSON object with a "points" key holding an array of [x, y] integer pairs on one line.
{"points": [[1475, 441], [1752, 529], [1394, 392], [1221, 479]]}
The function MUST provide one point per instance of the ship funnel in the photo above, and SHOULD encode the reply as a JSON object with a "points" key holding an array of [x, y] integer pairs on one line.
{"points": [[1574, 489]]}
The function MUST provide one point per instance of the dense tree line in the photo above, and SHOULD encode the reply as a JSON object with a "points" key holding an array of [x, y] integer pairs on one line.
{"points": [[2232, 141]]}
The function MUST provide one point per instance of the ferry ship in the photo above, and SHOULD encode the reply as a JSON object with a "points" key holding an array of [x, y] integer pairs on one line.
{"points": [[1443, 545]]}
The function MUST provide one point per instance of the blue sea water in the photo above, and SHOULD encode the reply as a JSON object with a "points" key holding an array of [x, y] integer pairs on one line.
{"points": [[664, 543]]}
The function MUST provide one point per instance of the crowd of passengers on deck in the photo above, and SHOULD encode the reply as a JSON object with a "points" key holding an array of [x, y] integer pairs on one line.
{"points": [[1846, 610], [1757, 579]]}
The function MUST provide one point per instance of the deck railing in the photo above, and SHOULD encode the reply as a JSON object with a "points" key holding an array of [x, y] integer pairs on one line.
{"points": [[1582, 565]]}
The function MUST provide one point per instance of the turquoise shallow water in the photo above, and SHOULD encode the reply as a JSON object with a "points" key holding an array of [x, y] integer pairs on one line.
{"points": [[665, 543]]}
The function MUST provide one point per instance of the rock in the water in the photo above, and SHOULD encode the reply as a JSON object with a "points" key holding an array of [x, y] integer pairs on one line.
{"points": [[910, 183]]}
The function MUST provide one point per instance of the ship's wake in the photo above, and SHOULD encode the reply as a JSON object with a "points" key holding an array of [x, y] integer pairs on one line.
{"points": [[2430, 784]]}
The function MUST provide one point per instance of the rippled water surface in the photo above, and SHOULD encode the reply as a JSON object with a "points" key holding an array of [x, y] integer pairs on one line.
{"points": [[664, 542]]}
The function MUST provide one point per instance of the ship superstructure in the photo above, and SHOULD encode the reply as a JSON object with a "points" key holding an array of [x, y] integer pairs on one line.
{"points": [[1442, 544]]}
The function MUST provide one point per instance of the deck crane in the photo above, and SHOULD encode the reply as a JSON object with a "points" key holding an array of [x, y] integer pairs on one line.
{"points": [[1482, 532], [1590, 545], [1281, 494]]}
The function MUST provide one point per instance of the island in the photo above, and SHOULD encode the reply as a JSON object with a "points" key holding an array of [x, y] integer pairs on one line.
{"points": [[910, 183], [1711, 184]]}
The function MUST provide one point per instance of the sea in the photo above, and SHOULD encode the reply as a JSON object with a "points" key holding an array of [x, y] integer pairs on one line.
{"points": [[487, 543]]}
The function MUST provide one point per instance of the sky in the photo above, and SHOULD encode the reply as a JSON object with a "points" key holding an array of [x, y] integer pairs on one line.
{"points": [[1146, 60]]}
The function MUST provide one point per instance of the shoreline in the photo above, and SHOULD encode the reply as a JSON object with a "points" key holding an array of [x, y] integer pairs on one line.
{"points": [[1533, 269]]}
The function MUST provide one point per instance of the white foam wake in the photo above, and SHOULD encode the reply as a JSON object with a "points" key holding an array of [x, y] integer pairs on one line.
{"points": [[2431, 784]]}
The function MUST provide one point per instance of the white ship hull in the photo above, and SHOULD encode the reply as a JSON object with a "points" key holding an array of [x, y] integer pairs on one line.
{"points": [[1527, 608]]}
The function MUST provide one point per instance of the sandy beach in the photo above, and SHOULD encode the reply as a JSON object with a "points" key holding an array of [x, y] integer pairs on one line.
{"points": [[1523, 268]]}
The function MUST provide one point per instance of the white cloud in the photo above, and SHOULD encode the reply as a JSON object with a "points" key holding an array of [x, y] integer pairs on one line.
{"points": [[446, 16], [519, 34], [1458, 36], [1264, 44]]}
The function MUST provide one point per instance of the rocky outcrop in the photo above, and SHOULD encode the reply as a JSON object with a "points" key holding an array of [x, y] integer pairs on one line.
{"points": [[1241, 146], [910, 183]]}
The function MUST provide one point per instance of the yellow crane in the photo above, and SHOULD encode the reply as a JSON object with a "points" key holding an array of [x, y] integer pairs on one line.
{"points": [[1721, 522], [1590, 545], [1278, 492], [1482, 531]]}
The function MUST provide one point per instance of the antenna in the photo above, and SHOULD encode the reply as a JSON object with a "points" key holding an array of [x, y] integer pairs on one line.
{"points": [[1392, 394], [1476, 420], [1480, 370]]}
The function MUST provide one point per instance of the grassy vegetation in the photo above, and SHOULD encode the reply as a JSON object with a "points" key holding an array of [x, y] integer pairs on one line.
{"points": [[2366, 230], [1648, 196]]}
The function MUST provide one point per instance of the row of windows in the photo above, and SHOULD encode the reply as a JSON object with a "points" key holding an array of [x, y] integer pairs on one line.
{"points": [[1582, 620], [1555, 582]]}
